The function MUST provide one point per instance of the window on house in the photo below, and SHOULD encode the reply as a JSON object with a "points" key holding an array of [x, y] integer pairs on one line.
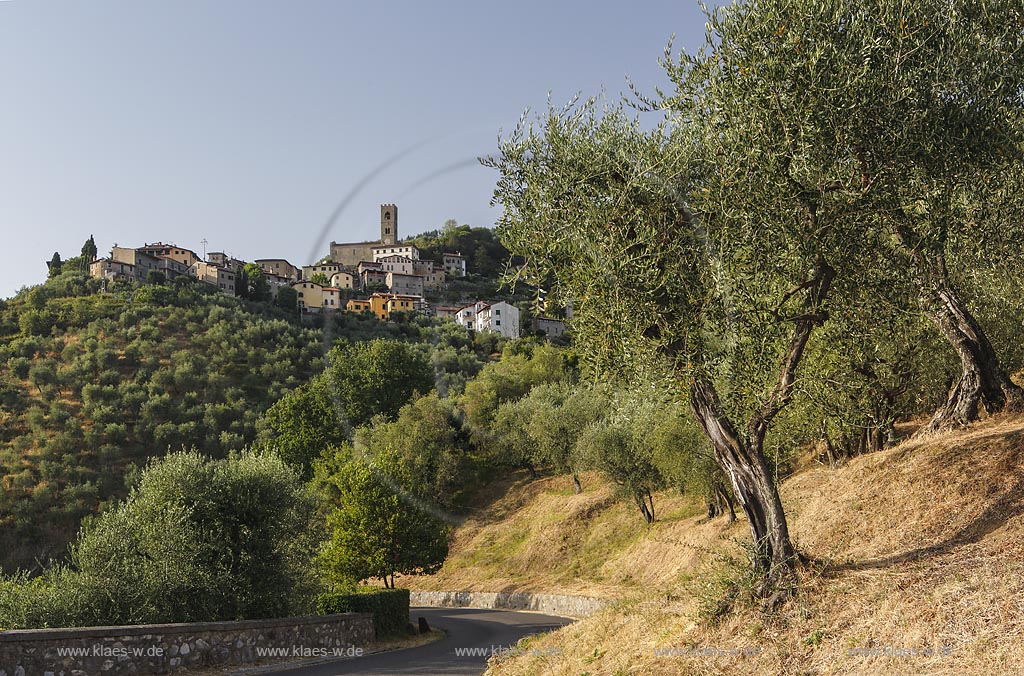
{"points": [[497, 323]]}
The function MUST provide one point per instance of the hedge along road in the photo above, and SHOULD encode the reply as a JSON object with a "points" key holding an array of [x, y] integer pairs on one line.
{"points": [[472, 635]]}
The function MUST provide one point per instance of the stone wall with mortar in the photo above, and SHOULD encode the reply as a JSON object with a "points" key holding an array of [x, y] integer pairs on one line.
{"points": [[163, 648]]}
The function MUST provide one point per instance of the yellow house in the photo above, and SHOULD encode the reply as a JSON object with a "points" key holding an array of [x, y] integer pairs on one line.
{"points": [[383, 304], [311, 296], [379, 306], [402, 304], [358, 306]]}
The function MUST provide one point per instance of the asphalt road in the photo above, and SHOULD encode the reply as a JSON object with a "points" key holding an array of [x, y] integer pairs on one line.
{"points": [[466, 628]]}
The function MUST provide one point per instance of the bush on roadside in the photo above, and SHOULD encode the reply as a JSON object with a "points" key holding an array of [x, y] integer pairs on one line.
{"points": [[196, 540], [390, 607]]}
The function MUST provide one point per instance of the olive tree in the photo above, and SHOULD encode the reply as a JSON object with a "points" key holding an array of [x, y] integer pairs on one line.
{"points": [[714, 302], [562, 411], [613, 448], [195, 540], [541, 429], [907, 111], [683, 457]]}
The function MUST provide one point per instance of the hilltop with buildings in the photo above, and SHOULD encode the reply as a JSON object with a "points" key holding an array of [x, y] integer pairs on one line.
{"points": [[379, 277]]}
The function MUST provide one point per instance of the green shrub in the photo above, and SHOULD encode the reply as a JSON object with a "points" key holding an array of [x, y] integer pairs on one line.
{"points": [[390, 607], [196, 540]]}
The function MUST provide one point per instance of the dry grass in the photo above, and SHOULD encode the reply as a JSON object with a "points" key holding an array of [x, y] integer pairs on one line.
{"points": [[540, 536], [918, 550]]}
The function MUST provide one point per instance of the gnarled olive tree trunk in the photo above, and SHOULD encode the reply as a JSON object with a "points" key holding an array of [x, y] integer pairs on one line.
{"points": [[741, 455], [743, 461], [983, 380]]}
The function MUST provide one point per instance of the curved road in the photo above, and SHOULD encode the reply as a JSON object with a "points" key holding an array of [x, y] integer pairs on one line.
{"points": [[466, 628]]}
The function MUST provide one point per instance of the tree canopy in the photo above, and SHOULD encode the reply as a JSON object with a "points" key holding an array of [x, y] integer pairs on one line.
{"points": [[800, 147]]}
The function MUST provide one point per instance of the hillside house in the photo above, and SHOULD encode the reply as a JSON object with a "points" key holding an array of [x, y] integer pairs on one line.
{"points": [[432, 280], [446, 311], [108, 268], [396, 263], [331, 299], [549, 326], [454, 264], [370, 278], [325, 269], [186, 257], [276, 282], [422, 266], [368, 265], [409, 285], [343, 280], [221, 277], [500, 317], [404, 250], [310, 296], [142, 263], [221, 259], [279, 267], [358, 306], [383, 304]]}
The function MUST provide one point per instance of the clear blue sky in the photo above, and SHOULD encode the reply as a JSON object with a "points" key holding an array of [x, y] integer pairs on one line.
{"points": [[245, 122]]}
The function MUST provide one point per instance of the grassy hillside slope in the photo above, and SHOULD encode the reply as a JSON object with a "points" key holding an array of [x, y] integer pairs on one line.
{"points": [[540, 536], [92, 385], [917, 567]]}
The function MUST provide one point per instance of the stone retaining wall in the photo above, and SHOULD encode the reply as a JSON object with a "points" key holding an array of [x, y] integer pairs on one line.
{"points": [[552, 604], [161, 648]]}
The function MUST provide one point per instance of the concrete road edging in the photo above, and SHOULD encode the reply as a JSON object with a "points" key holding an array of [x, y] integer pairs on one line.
{"points": [[562, 605]]}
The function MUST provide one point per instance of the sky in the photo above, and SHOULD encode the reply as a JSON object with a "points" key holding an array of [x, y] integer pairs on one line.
{"points": [[248, 122]]}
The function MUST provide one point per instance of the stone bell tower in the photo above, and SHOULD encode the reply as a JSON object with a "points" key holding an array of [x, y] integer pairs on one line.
{"points": [[388, 224]]}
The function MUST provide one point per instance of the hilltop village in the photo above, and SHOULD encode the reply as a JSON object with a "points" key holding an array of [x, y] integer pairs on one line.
{"points": [[379, 277]]}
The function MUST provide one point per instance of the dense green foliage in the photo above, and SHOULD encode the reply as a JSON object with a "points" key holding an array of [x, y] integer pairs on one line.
{"points": [[362, 380], [390, 607], [522, 367], [429, 440], [195, 540], [486, 257], [382, 522], [94, 384], [251, 283]]}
